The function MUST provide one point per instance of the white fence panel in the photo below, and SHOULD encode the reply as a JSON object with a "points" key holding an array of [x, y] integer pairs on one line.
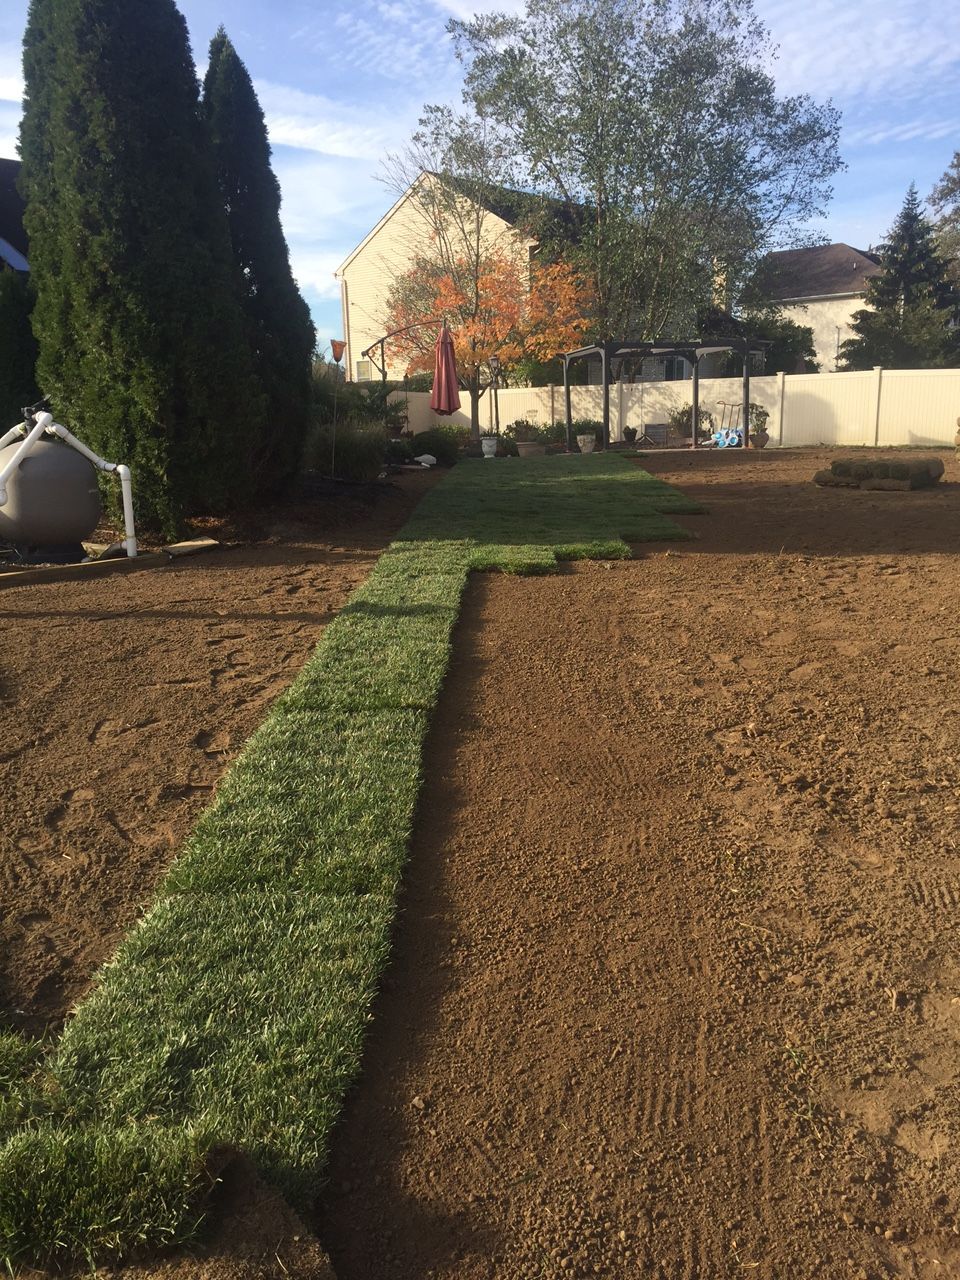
{"points": [[891, 407], [919, 406], [830, 408]]}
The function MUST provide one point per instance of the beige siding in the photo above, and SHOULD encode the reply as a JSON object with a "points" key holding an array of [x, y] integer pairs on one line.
{"points": [[387, 253], [825, 317]]}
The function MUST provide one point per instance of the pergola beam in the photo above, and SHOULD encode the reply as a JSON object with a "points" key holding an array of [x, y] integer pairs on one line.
{"points": [[692, 350]]}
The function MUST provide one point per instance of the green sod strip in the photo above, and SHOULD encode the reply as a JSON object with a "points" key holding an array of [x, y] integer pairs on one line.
{"points": [[233, 1016]]}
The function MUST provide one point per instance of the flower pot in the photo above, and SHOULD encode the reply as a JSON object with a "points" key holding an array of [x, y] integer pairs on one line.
{"points": [[759, 438], [587, 443], [531, 448], [489, 446]]}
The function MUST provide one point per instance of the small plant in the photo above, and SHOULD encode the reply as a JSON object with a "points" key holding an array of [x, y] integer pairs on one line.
{"points": [[525, 431], [758, 417], [588, 426], [630, 434], [680, 419]]}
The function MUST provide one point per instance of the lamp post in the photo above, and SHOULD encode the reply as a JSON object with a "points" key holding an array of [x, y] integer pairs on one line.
{"points": [[337, 348], [495, 367]]}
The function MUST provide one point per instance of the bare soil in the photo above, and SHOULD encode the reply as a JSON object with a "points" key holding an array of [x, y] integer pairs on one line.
{"points": [[124, 699], [676, 987]]}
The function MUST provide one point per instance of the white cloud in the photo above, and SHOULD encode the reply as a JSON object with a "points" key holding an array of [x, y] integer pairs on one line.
{"points": [[313, 268], [11, 76], [867, 51], [312, 122]]}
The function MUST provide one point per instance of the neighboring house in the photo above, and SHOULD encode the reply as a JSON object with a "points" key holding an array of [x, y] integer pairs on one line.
{"points": [[820, 287], [388, 251], [13, 237]]}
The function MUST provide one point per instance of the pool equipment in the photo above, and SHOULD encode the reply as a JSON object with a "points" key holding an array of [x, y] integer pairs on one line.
{"points": [[49, 498]]}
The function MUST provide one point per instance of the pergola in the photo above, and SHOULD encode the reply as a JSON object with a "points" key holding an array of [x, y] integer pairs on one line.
{"points": [[692, 349]]}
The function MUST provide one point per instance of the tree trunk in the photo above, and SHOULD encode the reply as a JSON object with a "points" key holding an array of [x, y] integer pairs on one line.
{"points": [[474, 389]]}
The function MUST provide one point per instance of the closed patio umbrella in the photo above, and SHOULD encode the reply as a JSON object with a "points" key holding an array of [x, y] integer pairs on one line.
{"points": [[445, 398]]}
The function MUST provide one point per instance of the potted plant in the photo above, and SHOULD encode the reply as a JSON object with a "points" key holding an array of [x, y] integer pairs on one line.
{"points": [[759, 436], [586, 430], [488, 444], [528, 438], [680, 422], [630, 435]]}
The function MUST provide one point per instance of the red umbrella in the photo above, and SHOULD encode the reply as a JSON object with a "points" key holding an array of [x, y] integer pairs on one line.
{"points": [[445, 398]]}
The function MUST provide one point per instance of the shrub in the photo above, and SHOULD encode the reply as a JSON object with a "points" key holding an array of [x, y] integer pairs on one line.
{"points": [[358, 452], [444, 442], [400, 450], [679, 420]]}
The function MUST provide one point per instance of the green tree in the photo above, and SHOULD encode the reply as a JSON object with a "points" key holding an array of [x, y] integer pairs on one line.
{"points": [[279, 325], [792, 348], [910, 322], [142, 340], [655, 126], [18, 348], [945, 199]]}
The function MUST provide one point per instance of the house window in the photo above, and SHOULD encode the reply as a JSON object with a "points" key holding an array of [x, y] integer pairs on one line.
{"points": [[364, 371]]}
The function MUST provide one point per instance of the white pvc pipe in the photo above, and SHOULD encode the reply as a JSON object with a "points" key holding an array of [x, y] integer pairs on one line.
{"points": [[123, 474], [126, 488], [36, 431], [12, 434]]}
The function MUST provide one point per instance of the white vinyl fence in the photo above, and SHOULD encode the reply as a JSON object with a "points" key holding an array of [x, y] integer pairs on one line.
{"points": [[887, 407]]}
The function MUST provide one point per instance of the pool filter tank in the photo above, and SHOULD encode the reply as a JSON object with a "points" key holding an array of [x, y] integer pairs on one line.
{"points": [[53, 501]]}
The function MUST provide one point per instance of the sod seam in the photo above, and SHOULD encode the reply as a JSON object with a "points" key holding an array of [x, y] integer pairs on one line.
{"points": [[233, 1015]]}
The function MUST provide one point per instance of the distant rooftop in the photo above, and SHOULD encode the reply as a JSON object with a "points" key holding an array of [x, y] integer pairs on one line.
{"points": [[820, 271]]}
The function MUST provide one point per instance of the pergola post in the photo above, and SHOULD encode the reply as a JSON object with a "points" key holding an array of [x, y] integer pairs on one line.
{"points": [[746, 398], [695, 411], [566, 396], [605, 358]]}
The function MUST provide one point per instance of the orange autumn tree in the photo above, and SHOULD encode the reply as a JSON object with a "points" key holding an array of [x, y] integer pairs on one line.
{"points": [[494, 305]]}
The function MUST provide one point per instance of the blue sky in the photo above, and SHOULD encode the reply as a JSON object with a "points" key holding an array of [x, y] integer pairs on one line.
{"points": [[342, 85]]}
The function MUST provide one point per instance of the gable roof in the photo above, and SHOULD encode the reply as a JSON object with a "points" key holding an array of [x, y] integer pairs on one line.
{"points": [[12, 233], [823, 270]]}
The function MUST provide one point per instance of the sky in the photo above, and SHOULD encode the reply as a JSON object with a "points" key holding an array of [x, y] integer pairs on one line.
{"points": [[343, 85]]}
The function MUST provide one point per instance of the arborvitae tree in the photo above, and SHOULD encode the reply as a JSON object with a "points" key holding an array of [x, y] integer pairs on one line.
{"points": [[279, 325], [142, 339], [945, 199], [18, 348], [914, 306]]}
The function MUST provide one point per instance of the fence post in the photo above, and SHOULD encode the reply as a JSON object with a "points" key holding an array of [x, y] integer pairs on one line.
{"points": [[782, 377], [553, 415], [878, 370], [620, 409]]}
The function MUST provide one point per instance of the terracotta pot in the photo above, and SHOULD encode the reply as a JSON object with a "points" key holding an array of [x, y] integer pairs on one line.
{"points": [[489, 446], [760, 438], [587, 443], [531, 448]]}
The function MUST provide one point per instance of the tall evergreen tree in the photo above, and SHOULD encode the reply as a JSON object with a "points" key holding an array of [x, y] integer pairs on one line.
{"points": [[142, 339], [914, 306], [279, 325], [945, 199], [18, 347]]}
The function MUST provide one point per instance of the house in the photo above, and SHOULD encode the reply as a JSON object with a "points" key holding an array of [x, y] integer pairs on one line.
{"points": [[389, 249], [821, 287], [13, 237]]}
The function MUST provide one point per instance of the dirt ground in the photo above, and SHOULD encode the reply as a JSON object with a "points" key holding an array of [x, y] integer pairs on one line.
{"points": [[123, 700], [676, 988]]}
